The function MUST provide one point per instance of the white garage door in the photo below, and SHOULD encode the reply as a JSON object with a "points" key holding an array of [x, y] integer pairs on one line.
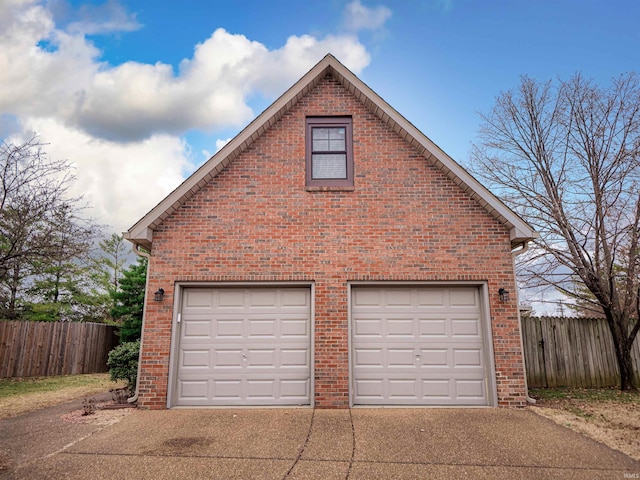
{"points": [[418, 346], [244, 346]]}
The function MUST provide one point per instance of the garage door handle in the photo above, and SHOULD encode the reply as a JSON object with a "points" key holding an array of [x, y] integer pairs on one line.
{"points": [[244, 357]]}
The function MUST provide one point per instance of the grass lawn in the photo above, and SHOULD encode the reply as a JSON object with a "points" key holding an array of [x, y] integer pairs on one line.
{"points": [[21, 395], [591, 394]]}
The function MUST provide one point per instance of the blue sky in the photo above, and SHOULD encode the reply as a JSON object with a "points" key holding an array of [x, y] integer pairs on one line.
{"points": [[438, 62], [136, 94]]}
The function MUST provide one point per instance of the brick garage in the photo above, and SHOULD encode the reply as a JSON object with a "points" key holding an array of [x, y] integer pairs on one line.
{"points": [[413, 225]]}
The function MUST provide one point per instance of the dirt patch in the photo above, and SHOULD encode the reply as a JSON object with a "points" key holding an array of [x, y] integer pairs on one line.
{"points": [[5, 463], [101, 416], [616, 424]]}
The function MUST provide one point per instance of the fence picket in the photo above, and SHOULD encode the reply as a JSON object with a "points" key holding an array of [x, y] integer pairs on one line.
{"points": [[29, 349], [576, 352]]}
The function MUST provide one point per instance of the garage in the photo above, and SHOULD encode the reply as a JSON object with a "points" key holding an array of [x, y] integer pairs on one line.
{"points": [[243, 346], [419, 345]]}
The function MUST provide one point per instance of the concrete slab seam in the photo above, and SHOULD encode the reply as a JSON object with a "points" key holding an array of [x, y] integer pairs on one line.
{"points": [[61, 450], [353, 445], [304, 445], [191, 455]]}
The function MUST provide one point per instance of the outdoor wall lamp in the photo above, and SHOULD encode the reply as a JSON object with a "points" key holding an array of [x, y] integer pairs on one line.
{"points": [[504, 295], [159, 295]]}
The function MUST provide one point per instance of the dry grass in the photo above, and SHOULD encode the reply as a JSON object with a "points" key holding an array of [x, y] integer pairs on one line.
{"points": [[22, 395], [606, 415]]}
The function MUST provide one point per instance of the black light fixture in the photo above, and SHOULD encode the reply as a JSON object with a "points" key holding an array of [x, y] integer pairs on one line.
{"points": [[504, 295], [159, 295]]}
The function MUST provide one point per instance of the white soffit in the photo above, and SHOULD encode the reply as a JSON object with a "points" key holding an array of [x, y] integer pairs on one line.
{"points": [[142, 232]]}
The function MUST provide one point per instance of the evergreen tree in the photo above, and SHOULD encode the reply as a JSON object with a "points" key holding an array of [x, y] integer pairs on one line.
{"points": [[107, 268], [110, 264], [129, 301]]}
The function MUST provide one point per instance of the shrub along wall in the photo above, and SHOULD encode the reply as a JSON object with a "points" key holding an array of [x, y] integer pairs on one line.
{"points": [[572, 352], [33, 349]]}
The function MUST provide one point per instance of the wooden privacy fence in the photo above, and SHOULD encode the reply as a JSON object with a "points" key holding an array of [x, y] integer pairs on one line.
{"points": [[572, 352], [34, 349]]}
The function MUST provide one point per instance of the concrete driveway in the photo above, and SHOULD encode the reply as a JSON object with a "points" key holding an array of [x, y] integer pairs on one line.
{"points": [[305, 443]]}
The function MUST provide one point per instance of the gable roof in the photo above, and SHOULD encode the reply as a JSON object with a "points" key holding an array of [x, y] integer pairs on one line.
{"points": [[141, 233]]}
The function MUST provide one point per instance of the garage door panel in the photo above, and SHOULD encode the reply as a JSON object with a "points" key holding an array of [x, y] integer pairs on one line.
{"points": [[432, 327], [247, 346], [198, 299], [261, 389], [465, 327], [233, 391], [436, 389], [367, 326], [225, 390], [291, 298], [294, 358], [198, 329], [263, 328], [431, 297], [366, 388], [260, 358], [418, 346], [434, 357], [262, 298], [228, 358], [296, 390], [195, 359], [194, 389], [467, 357], [228, 298], [226, 328], [365, 298], [400, 327], [367, 357], [400, 358], [295, 328], [464, 297], [402, 389], [397, 298], [470, 389]]}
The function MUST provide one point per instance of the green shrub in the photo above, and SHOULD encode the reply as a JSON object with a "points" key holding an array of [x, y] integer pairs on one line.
{"points": [[123, 363]]}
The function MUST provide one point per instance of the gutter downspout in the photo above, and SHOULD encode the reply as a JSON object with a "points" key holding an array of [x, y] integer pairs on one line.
{"points": [[514, 254], [146, 255]]}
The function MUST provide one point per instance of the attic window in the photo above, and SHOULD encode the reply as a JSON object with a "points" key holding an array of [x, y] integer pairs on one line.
{"points": [[329, 154]]}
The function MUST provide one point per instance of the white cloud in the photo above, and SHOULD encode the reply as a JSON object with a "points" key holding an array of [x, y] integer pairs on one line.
{"points": [[107, 18], [121, 182], [122, 126], [358, 17], [133, 100], [221, 143]]}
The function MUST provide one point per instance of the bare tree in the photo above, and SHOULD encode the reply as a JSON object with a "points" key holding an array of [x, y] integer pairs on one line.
{"points": [[39, 222], [566, 156]]}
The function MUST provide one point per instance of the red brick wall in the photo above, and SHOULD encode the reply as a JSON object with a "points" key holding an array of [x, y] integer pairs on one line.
{"points": [[404, 220]]}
